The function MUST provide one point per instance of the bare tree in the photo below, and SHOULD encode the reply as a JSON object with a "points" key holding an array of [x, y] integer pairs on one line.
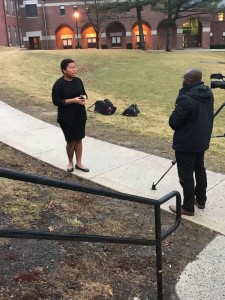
{"points": [[126, 5], [97, 11], [175, 9]]}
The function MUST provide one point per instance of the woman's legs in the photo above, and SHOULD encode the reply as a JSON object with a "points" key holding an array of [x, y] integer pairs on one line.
{"points": [[77, 148], [70, 148]]}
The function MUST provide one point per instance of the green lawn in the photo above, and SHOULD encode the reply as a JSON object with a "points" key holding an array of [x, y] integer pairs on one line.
{"points": [[149, 79]]}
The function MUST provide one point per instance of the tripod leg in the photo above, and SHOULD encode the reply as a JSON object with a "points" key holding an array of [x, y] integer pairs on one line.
{"points": [[154, 185]]}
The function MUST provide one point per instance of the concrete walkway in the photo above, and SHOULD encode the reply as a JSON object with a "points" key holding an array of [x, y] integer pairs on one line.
{"points": [[128, 171]]}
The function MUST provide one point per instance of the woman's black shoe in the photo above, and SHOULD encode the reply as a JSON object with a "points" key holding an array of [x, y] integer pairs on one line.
{"points": [[81, 169]]}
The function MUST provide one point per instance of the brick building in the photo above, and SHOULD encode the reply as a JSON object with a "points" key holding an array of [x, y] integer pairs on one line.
{"points": [[50, 24], [10, 24]]}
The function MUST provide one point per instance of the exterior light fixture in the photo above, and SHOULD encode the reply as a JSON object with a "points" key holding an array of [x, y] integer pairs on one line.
{"points": [[76, 16]]}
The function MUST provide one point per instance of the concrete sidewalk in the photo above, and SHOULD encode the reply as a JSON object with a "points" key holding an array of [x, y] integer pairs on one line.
{"points": [[122, 169]]}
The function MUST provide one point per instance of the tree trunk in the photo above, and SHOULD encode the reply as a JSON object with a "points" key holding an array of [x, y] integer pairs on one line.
{"points": [[140, 28], [169, 37], [97, 40], [169, 28]]}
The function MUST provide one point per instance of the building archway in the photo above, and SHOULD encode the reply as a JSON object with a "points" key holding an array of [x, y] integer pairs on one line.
{"points": [[88, 37], [147, 36], [162, 36], [115, 36], [65, 37], [192, 33]]}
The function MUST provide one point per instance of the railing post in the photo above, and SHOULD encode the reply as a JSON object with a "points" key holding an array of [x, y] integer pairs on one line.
{"points": [[159, 236], [158, 252]]}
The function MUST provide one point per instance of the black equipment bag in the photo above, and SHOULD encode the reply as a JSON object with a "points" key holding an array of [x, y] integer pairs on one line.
{"points": [[131, 111], [104, 107]]}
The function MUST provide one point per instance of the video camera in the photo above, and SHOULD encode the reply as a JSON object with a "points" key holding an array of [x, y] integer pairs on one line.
{"points": [[215, 83]]}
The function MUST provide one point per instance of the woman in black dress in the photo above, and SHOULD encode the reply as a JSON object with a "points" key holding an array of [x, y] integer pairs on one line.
{"points": [[69, 95]]}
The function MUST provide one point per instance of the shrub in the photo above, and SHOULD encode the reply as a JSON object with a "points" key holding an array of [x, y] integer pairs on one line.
{"points": [[217, 47], [129, 46]]}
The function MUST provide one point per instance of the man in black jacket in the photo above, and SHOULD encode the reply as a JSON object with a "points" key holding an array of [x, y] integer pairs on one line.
{"points": [[192, 122]]}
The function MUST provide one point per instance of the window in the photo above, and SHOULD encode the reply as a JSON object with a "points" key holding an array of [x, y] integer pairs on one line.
{"points": [[17, 8], [34, 42], [211, 37], [91, 42], [9, 36], [116, 41], [220, 16], [6, 7], [224, 36], [138, 38], [62, 10], [31, 10], [13, 7], [15, 35], [67, 43]]}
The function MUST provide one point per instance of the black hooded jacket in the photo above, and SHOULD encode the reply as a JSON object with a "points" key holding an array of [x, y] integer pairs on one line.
{"points": [[192, 118]]}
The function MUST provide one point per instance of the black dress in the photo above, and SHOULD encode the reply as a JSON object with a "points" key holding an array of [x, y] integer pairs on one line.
{"points": [[71, 117]]}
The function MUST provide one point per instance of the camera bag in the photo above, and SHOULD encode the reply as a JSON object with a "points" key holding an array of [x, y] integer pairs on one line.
{"points": [[104, 107], [131, 111]]}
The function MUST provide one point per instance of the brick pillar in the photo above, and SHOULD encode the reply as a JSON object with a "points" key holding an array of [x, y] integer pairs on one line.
{"points": [[179, 38], [155, 45], [128, 38], [206, 37]]}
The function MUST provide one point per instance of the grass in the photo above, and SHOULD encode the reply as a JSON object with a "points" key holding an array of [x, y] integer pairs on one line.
{"points": [[64, 270], [149, 79]]}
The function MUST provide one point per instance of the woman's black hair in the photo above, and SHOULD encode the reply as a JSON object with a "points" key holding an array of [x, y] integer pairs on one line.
{"points": [[65, 62]]}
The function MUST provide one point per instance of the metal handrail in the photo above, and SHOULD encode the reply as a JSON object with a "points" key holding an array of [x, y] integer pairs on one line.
{"points": [[159, 236]]}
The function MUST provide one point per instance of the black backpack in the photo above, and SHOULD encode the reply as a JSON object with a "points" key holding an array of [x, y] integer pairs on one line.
{"points": [[104, 107], [131, 111]]}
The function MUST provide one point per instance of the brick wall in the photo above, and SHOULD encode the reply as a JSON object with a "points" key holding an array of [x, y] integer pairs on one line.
{"points": [[51, 30]]}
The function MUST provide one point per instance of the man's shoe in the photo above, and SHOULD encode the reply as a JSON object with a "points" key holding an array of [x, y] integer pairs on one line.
{"points": [[183, 211], [199, 205]]}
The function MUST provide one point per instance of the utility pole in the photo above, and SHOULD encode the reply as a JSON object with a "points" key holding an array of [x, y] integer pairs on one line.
{"points": [[45, 23]]}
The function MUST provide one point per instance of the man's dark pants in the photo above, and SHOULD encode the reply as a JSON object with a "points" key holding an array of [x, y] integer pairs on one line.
{"points": [[188, 164]]}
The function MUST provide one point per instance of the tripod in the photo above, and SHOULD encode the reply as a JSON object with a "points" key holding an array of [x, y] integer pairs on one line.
{"points": [[174, 161]]}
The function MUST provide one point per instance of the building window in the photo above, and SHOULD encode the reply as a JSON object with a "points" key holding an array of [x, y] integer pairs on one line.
{"points": [[6, 7], [224, 36], [15, 35], [34, 42], [211, 37], [13, 7], [31, 10], [116, 41], [138, 39], [67, 43], [9, 36], [62, 10], [91, 42], [220, 16], [17, 8]]}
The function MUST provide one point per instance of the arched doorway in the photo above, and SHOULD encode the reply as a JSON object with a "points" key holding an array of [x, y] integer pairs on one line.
{"points": [[65, 37], [162, 36], [147, 36], [88, 37], [192, 33], [115, 35]]}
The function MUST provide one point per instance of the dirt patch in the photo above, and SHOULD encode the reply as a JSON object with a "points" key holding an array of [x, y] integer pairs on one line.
{"points": [[32, 269]]}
